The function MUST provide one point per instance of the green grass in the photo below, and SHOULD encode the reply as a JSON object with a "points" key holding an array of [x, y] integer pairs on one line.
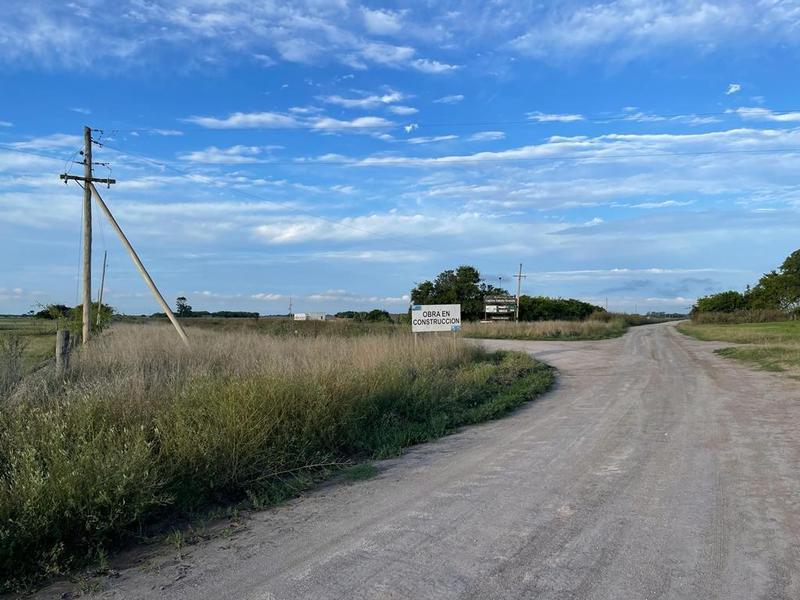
{"points": [[771, 346], [37, 335], [142, 431], [360, 472]]}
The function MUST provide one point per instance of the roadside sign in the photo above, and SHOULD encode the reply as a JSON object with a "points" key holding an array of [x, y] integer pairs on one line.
{"points": [[435, 317], [499, 308]]}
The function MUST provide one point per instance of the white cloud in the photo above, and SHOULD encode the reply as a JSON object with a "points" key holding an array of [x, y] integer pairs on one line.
{"points": [[387, 256], [639, 148], [431, 139], [765, 114], [299, 230], [486, 136], [240, 120], [329, 123], [270, 120], [453, 99], [305, 110], [733, 88], [198, 33], [265, 60], [53, 141], [642, 117], [663, 204], [80, 110], [381, 22], [426, 65], [410, 127], [6, 124], [623, 30], [384, 54], [365, 102], [268, 296], [403, 110], [345, 296], [165, 132], [235, 155], [554, 118]]}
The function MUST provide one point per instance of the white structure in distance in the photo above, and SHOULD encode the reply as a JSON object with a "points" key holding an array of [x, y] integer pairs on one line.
{"points": [[312, 316]]}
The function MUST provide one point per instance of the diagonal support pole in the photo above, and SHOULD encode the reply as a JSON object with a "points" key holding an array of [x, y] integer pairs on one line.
{"points": [[137, 261]]}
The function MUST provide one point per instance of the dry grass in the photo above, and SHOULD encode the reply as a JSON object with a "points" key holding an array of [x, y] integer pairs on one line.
{"points": [[142, 429], [771, 346], [547, 330]]}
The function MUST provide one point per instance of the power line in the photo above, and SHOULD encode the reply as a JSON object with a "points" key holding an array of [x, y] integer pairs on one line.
{"points": [[38, 154]]}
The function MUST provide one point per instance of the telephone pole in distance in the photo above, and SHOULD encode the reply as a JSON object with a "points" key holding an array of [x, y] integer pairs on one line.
{"points": [[519, 277]]}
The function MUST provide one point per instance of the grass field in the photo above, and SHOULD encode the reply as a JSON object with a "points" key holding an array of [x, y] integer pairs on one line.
{"points": [[287, 327], [547, 330], [771, 346], [142, 432], [37, 335]]}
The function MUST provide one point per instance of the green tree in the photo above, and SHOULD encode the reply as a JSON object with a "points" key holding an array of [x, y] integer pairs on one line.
{"points": [[779, 289], [541, 308], [53, 311], [460, 286], [182, 307], [378, 316], [76, 317], [729, 301]]}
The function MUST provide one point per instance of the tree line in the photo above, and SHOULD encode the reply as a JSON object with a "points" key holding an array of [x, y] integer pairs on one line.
{"points": [[464, 286], [778, 290]]}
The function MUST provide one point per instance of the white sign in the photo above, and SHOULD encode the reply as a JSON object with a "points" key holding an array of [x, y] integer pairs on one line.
{"points": [[496, 308], [435, 317]]}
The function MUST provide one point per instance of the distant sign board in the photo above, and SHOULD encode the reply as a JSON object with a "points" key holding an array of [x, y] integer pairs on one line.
{"points": [[500, 299], [499, 308], [435, 317]]}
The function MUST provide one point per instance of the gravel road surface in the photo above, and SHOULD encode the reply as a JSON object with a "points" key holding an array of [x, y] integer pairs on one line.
{"points": [[655, 469]]}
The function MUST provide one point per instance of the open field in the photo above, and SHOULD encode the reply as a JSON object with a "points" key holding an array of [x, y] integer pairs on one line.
{"points": [[288, 327], [772, 346], [37, 335], [143, 431], [547, 330]]}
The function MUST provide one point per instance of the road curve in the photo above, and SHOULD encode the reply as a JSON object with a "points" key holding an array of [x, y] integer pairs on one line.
{"points": [[655, 469]]}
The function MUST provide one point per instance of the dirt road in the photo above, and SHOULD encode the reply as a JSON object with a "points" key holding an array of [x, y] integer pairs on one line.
{"points": [[655, 470]]}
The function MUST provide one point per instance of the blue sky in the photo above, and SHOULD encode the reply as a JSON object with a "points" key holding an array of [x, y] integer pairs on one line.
{"points": [[646, 152]]}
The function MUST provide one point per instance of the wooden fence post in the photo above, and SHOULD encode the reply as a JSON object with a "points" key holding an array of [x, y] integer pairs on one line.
{"points": [[62, 350]]}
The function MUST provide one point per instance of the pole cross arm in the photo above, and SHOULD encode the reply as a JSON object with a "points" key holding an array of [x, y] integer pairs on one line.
{"points": [[66, 177]]}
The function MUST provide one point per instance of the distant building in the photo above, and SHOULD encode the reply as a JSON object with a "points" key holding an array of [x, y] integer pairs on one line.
{"points": [[312, 316]]}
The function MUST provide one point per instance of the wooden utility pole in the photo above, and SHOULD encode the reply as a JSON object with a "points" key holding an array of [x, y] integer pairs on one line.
{"points": [[87, 233], [87, 179], [137, 261], [519, 277]]}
